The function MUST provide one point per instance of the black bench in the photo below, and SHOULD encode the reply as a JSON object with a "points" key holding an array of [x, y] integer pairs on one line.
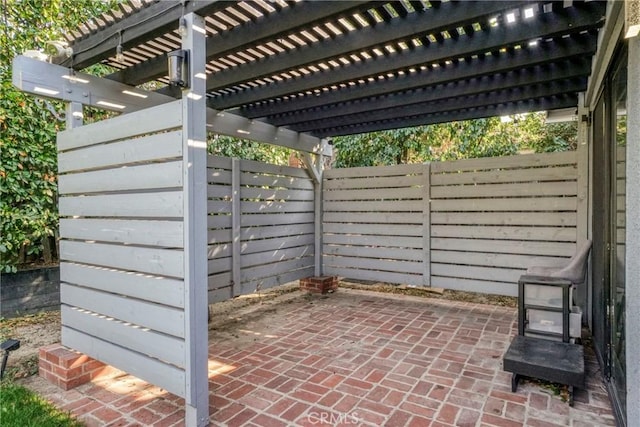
{"points": [[554, 361]]}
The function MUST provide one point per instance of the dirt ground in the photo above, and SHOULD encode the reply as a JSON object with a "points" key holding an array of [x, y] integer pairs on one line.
{"points": [[233, 318]]}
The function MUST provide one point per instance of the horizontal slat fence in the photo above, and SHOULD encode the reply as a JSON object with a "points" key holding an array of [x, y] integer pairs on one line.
{"points": [[472, 225], [122, 243], [373, 223], [261, 226]]}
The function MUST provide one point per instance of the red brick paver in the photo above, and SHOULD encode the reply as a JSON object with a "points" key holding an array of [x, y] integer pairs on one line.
{"points": [[354, 358]]}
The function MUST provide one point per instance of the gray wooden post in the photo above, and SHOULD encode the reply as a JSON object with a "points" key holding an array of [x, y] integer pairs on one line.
{"points": [[582, 209], [236, 225], [74, 115], [194, 145], [315, 171], [632, 260], [426, 225]]}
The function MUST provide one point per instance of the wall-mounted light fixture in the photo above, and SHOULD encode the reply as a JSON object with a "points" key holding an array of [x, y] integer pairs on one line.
{"points": [[178, 67]]}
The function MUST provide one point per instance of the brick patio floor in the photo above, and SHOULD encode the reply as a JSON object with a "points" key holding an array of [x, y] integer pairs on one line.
{"points": [[353, 358]]}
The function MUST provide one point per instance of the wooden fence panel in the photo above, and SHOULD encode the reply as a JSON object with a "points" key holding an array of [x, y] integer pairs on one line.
{"points": [[122, 243], [493, 218], [270, 242], [373, 223], [472, 225]]}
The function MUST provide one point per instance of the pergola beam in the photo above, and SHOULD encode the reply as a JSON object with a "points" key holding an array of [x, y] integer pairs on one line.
{"points": [[565, 101], [575, 19], [297, 16], [56, 82], [574, 48], [385, 104], [144, 25], [414, 25], [503, 96]]}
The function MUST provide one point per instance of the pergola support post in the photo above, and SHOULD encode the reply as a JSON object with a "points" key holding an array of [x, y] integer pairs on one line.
{"points": [[315, 171], [582, 209], [194, 145]]}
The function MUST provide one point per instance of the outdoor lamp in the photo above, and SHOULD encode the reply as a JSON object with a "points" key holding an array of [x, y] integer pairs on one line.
{"points": [[178, 65], [7, 346]]}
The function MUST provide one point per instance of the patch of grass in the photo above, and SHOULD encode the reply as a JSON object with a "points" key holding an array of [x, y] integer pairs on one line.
{"points": [[21, 407]]}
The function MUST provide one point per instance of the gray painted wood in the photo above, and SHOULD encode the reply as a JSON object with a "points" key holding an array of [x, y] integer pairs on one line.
{"points": [[493, 259], [276, 206], [144, 149], [263, 271], [141, 340], [277, 219], [377, 171], [517, 161], [373, 206], [162, 374], [275, 194], [167, 234], [562, 203], [373, 240], [236, 228], [374, 229], [374, 217], [280, 279], [471, 285], [258, 180], [374, 194], [506, 190], [194, 143], [253, 246], [162, 262], [256, 233], [378, 276], [375, 264], [561, 173], [523, 247], [155, 119], [157, 289], [141, 205], [382, 252], [505, 218], [160, 318], [375, 182], [561, 234], [426, 225], [276, 255]]}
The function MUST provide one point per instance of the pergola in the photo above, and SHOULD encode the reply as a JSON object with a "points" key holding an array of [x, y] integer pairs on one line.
{"points": [[281, 72]]}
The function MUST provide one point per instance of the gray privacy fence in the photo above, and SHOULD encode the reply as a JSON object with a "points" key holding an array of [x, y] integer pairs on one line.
{"points": [[472, 225], [122, 243], [260, 226]]}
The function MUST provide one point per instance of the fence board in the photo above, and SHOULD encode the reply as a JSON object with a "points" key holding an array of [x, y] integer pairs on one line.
{"points": [[263, 271], [276, 255], [377, 182], [154, 119], [557, 219], [374, 217], [168, 234], [275, 207], [252, 166], [474, 272], [374, 194], [375, 229], [373, 240], [130, 178], [374, 264], [253, 246], [157, 289], [259, 232], [377, 276], [275, 181], [504, 190], [280, 279], [379, 252], [162, 262], [218, 176], [493, 259], [141, 340], [375, 171], [145, 205], [275, 194], [161, 374], [154, 316], [523, 247], [567, 234], [563, 203], [470, 285], [373, 206], [248, 220], [565, 173], [506, 162], [148, 148]]}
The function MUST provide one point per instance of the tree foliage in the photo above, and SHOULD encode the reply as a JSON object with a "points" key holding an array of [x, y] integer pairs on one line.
{"points": [[456, 140], [28, 167], [226, 146]]}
